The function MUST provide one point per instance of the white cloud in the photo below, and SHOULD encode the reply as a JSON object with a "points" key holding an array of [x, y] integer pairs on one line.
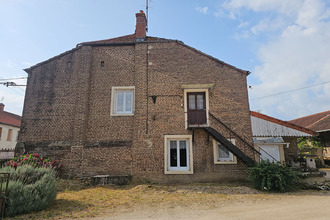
{"points": [[242, 35], [281, 6], [243, 25], [27, 64], [297, 55], [203, 10]]}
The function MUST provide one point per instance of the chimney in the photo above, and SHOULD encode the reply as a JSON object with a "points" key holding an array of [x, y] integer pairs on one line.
{"points": [[141, 26], [2, 107]]}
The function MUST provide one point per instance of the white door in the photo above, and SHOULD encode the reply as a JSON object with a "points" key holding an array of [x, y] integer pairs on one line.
{"points": [[273, 151]]}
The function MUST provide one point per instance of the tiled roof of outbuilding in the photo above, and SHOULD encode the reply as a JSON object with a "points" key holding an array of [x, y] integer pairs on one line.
{"points": [[317, 122]]}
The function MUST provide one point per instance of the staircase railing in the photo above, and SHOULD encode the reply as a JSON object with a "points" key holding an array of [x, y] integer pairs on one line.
{"points": [[229, 133]]}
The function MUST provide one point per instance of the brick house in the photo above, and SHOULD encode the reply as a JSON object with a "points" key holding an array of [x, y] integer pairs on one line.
{"points": [[150, 107]]}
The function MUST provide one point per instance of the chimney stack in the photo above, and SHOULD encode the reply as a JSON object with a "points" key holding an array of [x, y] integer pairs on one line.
{"points": [[2, 107], [141, 26]]}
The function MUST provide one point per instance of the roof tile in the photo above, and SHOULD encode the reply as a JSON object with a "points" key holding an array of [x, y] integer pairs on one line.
{"points": [[318, 122], [10, 119]]}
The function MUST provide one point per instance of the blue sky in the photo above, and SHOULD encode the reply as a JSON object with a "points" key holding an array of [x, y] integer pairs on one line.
{"points": [[284, 44]]}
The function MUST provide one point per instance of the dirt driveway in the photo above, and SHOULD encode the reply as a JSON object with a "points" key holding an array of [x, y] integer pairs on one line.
{"points": [[299, 205]]}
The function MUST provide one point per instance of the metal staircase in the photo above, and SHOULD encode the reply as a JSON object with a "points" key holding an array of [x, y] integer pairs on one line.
{"points": [[231, 147], [221, 132]]}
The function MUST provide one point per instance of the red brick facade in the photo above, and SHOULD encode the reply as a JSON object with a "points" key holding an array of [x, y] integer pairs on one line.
{"points": [[67, 110]]}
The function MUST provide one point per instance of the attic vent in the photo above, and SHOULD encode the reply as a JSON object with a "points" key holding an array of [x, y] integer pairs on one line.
{"points": [[102, 63]]}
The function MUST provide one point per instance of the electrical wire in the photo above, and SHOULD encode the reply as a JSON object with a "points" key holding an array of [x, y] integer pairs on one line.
{"points": [[2, 79], [293, 90]]}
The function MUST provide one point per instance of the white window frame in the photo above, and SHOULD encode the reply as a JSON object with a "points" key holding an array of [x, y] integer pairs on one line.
{"points": [[186, 105], [167, 169], [114, 91], [216, 153]]}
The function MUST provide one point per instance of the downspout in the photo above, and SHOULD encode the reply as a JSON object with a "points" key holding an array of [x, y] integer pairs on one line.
{"points": [[147, 82]]}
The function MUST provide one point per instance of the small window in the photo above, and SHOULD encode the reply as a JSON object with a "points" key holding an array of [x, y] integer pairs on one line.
{"points": [[122, 101], [102, 63], [10, 133], [68, 65], [178, 154], [222, 155], [0, 132]]}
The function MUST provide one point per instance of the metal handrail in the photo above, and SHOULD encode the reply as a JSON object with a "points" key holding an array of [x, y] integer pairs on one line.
{"points": [[268, 154], [238, 136]]}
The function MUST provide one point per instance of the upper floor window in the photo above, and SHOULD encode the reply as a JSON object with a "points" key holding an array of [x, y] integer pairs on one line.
{"points": [[10, 134], [0, 132], [122, 101]]}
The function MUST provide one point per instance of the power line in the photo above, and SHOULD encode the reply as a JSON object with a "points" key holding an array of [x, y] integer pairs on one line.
{"points": [[280, 93], [2, 79], [16, 91]]}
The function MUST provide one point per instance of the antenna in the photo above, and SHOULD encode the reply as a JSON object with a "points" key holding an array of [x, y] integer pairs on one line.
{"points": [[147, 11]]}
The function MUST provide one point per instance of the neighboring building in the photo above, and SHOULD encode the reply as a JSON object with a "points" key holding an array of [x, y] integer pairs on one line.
{"points": [[320, 123], [276, 139], [139, 105], [9, 130]]}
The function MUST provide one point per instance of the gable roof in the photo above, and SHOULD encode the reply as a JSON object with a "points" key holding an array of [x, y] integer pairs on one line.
{"points": [[317, 122], [11, 119], [131, 39], [264, 125]]}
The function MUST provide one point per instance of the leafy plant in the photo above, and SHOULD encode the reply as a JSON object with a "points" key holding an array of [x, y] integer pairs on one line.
{"points": [[273, 177], [30, 189], [309, 142], [36, 161]]}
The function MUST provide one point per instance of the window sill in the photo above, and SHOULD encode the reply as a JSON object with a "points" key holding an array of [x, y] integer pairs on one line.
{"points": [[225, 162], [178, 172], [122, 115], [199, 126]]}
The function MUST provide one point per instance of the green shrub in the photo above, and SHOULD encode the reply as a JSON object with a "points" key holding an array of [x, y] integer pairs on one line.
{"points": [[35, 160], [30, 189], [273, 177]]}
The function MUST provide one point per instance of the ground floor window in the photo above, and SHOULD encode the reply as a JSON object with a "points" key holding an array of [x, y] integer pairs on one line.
{"points": [[222, 155], [178, 154]]}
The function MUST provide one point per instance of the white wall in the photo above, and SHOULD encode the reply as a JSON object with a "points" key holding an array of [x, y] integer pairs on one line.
{"points": [[8, 144]]}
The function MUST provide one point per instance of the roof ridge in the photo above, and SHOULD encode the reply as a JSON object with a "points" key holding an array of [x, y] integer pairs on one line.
{"points": [[284, 123], [328, 111], [12, 115], [321, 119]]}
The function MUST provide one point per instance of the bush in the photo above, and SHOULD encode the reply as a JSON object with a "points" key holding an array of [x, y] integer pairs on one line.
{"points": [[35, 160], [273, 177], [30, 189]]}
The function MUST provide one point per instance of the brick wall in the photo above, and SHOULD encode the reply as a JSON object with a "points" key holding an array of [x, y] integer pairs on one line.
{"points": [[69, 109]]}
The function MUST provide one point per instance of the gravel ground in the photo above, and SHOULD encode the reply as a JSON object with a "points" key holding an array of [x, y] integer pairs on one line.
{"points": [[229, 203]]}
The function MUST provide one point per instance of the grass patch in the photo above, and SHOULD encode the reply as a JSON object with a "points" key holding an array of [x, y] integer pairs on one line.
{"points": [[78, 200]]}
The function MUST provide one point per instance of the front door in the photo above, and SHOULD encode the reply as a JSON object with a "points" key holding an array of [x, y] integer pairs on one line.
{"points": [[196, 108]]}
